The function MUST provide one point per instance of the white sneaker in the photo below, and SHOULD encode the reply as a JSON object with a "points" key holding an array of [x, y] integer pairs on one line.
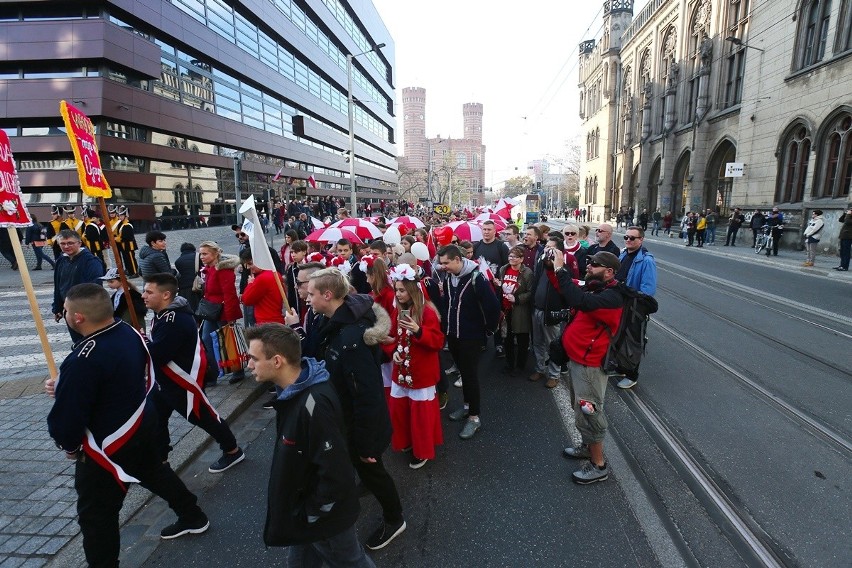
{"points": [[458, 382], [626, 383]]}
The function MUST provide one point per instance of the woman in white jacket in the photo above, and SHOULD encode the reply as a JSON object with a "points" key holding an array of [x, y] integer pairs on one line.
{"points": [[812, 235]]}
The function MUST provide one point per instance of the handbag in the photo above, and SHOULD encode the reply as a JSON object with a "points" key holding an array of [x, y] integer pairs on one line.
{"points": [[197, 282], [556, 352], [207, 310]]}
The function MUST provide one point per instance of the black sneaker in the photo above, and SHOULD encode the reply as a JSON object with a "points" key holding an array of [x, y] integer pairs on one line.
{"points": [[416, 463], [383, 535], [237, 377], [185, 526], [270, 404], [227, 461]]}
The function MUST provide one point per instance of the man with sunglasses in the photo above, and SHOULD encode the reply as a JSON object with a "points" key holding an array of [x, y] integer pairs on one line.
{"points": [[571, 234], [603, 242], [639, 271]]}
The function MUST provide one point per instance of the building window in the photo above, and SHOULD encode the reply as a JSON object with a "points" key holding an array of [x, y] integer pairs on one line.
{"points": [[844, 28], [461, 161], [667, 78], [646, 89], [597, 142], [814, 17], [699, 26], [793, 168], [836, 145]]}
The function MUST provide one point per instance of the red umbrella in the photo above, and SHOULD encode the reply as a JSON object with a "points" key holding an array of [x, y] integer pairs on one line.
{"points": [[332, 235], [499, 222], [465, 230], [409, 222], [361, 227]]}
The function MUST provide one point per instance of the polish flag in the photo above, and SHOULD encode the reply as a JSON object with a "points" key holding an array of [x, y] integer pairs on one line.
{"points": [[278, 175], [485, 269], [312, 181]]}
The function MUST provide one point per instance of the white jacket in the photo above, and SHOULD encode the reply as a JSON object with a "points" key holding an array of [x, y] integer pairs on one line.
{"points": [[814, 228]]}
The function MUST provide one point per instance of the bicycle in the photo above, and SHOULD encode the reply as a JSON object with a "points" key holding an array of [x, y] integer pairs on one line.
{"points": [[764, 239]]}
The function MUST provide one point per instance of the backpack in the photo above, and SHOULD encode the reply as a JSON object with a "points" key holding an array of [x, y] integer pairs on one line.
{"points": [[627, 344]]}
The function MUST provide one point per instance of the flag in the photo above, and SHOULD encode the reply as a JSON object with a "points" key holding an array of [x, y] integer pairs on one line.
{"points": [[251, 226], [312, 181], [485, 269], [430, 244], [278, 175]]}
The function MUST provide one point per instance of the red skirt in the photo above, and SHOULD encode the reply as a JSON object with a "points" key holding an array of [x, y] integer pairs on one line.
{"points": [[416, 419]]}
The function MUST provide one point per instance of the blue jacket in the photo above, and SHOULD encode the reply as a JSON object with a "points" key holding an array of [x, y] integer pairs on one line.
{"points": [[643, 272], [83, 268]]}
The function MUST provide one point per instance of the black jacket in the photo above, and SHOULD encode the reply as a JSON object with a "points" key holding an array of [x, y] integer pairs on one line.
{"points": [[349, 345], [153, 261], [312, 493]]}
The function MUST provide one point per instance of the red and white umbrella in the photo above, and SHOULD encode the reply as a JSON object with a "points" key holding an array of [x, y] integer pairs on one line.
{"points": [[499, 222], [408, 222], [365, 230], [332, 235], [465, 230], [317, 223]]}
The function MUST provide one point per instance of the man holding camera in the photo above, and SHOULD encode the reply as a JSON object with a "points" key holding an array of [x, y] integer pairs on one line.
{"points": [[546, 321]]}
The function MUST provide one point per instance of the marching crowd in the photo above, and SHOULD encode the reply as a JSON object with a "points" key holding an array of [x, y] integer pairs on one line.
{"points": [[360, 342]]}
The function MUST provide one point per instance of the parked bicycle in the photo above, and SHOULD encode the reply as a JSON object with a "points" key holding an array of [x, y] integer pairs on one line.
{"points": [[764, 239]]}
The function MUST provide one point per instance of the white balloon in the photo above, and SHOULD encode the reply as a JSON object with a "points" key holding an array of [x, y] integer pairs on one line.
{"points": [[392, 236], [420, 251]]}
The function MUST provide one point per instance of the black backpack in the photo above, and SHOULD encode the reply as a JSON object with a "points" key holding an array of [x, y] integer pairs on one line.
{"points": [[627, 344]]}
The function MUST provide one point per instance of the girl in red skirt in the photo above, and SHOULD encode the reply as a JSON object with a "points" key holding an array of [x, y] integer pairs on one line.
{"points": [[417, 336]]}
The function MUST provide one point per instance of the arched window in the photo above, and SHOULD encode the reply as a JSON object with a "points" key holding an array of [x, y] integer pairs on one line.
{"points": [[667, 62], [699, 26], [738, 11], [814, 17], [645, 91], [461, 161], [597, 141], [836, 144], [794, 154], [843, 40]]}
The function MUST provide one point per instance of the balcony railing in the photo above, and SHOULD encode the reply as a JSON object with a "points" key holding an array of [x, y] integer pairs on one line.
{"points": [[643, 18]]}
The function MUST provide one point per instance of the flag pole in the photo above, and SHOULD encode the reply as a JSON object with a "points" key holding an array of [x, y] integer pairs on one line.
{"points": [[28, 287]]}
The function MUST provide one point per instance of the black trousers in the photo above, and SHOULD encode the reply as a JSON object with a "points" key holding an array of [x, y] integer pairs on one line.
{"points": [[517, 346], [466, 353], [375, 477], [731, 238], [169, 398], [99, 496]]}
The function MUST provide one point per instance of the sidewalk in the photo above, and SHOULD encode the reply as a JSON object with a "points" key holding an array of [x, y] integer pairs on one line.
{"points": [[37, 497], [787, 259]]}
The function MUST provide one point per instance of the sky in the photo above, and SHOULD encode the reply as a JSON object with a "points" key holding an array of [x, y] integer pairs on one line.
{"points": [[518, 59]]}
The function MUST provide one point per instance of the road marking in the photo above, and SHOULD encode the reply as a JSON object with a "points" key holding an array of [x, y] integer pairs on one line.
{"points": [[52, 338], [13, 362]]}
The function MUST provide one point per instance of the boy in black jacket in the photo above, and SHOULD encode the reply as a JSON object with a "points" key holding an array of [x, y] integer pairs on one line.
{"points": [[313, 501]]}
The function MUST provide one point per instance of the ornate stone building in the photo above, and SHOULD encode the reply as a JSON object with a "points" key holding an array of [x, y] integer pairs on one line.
{"points": [[672, 95]]}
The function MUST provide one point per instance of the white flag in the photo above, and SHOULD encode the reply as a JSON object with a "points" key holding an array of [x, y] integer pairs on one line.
{"points": [[251, 226]]}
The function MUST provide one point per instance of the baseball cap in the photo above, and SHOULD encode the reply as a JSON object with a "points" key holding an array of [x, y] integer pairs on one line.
{"points": [[606, 259]]}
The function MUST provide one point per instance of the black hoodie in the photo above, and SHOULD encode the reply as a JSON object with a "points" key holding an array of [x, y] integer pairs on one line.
{"points": [[348, 343]]}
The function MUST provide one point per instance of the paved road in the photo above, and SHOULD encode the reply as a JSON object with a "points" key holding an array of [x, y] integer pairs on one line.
{"points": [[505, 498]]}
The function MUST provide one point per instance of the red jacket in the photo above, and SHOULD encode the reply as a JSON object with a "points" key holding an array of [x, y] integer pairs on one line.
{"points": [[597, 313], [220, 287], [423, 350], [385, 298], [264, 295]]}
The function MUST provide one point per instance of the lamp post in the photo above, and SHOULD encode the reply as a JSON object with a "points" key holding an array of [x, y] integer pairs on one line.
{"points": [[351, 108]]}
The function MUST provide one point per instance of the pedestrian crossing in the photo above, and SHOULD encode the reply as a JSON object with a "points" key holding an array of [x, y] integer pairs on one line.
{"points": [[22, 355]]}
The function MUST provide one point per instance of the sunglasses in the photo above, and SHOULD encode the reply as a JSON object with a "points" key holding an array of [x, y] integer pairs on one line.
{"points": [[631, 239], [569, 234], [600, 231], [597, 264]]}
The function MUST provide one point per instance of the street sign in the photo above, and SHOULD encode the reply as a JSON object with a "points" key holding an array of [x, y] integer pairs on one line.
{"points": [[442, 209], [734, 169]]}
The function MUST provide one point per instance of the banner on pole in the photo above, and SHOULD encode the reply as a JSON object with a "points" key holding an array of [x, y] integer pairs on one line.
{"points": [[81, 134], [252, 227], [13, 211]]}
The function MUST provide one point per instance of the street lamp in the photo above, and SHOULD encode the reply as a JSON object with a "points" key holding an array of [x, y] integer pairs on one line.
{"points": [[351, 109], [739, 43]]}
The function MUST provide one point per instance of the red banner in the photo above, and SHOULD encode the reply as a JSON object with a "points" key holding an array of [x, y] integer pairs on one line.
{"points": [[13, 212], [81, 134]]}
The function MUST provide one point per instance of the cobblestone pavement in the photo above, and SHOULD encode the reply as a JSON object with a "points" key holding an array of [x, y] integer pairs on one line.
{"points": [[37, 498]]}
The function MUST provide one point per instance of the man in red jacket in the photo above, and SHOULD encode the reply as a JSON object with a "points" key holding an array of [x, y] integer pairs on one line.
{"points": [[596, 310]]}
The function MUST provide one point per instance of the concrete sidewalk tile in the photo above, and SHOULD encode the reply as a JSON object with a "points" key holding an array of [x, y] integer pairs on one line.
{"points": [[33, 544]]}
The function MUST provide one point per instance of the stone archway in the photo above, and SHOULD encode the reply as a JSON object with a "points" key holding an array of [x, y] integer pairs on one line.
{"points": [[653, 186], [680, 187], [717, 188]]}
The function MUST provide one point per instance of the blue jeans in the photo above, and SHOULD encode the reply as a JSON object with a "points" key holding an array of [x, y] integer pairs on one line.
{"points": [[40, 256], [341, 550], [655, 230], [711, 234]]}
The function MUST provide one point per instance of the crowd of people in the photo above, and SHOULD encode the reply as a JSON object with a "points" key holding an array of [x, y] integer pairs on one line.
{"points": [[360, 343]]}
